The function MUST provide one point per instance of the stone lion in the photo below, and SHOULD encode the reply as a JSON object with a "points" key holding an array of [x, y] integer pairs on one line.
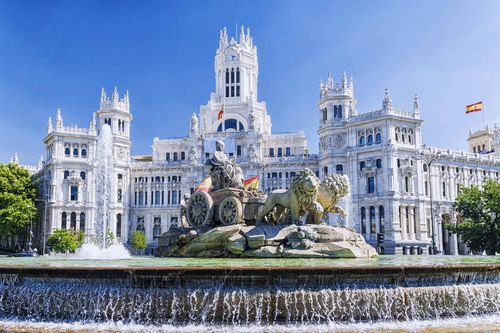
{"points": [[299, 199], [331, 189]]}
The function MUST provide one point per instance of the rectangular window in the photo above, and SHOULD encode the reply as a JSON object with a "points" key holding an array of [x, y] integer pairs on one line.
{"points": [[325, 114], [74, 193], [167, 156], [238, 150], [175, 156], [174, 197], [288, 151], [157, 197], [227, 91], [371, 184], [183, 155], [232, 91], [339, 168], [237, 90], [141, 198], [271, 152], [325, 171], [280, 152], [426, 185]]}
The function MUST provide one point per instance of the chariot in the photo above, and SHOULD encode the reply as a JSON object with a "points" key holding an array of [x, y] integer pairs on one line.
{"points": [[226, 207]]}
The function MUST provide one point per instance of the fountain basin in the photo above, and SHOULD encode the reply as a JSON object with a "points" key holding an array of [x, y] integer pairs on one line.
{"points": [[256, 291]]}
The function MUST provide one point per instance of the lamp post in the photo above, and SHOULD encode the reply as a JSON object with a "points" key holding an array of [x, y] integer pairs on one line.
{"points": [[428, 158]]}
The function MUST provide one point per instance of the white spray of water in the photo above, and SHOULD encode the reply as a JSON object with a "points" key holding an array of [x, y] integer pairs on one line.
{"points": [[103, 182]]}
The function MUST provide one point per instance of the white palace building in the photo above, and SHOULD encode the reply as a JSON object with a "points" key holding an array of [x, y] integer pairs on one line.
{"points": [[382, 152]]}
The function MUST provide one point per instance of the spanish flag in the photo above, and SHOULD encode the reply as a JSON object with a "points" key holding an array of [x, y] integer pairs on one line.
{"points": [[205, 186], [251, 183], [476, 107], [221, 112]]}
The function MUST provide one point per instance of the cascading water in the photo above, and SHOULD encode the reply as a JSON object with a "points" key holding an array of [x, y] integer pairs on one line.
{"points": [[238, 300], [345, 204], [104, 177]]}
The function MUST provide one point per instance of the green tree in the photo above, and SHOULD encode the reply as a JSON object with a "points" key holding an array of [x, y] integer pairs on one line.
{"points": [[63, 240], [17, 199], [80, 238], [138, 240], [480, 210]]}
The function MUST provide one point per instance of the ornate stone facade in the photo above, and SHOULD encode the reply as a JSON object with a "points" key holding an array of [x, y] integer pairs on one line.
{"points": [[379, 150]]}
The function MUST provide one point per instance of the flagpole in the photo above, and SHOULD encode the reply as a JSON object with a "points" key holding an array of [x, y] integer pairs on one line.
{"points": [[482, 104]]}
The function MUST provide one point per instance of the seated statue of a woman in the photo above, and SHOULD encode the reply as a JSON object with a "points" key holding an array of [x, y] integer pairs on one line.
{"points": [[224, 172]]}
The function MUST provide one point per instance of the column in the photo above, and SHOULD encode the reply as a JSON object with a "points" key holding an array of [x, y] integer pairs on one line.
{"points": [[402, 210], [454, 238], [411, 223]]}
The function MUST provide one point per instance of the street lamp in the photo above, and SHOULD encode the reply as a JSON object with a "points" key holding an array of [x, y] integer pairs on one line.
{"points": [[428, 158]]}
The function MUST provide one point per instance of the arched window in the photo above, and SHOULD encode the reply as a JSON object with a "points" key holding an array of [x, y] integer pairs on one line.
{"points": [[157, 227], [118, 225], [230, 124], [64, 218], [379, 163], [157, 197], [370, 139], [425, 167], [381, 218], [119, 195], [324, 112], [84, 152], [66, 174], [82, 175], [363, 220], [335, 111], [242, 128], [141, 198], [82, 221], [174, 197], [362, 140], [373, 227], [157, 179], [227, 78], [183, 155], [238, 75], [378, 138], [67, 151], [73, 221], [232, 77], [362, 165]]}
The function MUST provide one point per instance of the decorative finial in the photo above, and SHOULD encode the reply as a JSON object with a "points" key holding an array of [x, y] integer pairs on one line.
{"points": [[330, 81], [242, 35], [115, 96], [103, 95], [415, 104], [93, 122], [59, 120], [14, 159], [344, 80], [387, 103], [49, 126]]}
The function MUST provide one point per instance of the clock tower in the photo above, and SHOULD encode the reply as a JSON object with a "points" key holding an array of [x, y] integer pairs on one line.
{"points": [[236, 70]]}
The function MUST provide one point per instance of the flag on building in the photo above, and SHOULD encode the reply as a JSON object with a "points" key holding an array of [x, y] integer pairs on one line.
{"points": [[221, 112], [476, 107], [205, 186], [251, 183]]}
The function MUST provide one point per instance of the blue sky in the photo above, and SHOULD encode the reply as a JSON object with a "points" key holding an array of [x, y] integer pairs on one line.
{"points": [[60, 53]]}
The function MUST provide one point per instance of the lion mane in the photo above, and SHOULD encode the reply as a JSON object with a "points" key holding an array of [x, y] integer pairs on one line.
{"points": [[305, 187], [331, 189]]}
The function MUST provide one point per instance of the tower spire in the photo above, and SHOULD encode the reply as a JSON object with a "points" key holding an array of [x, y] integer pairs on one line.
{"points": [[416, 104], [103, 95], [115, 97]]}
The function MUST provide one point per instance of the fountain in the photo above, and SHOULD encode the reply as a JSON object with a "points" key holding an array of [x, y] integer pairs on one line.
{"points": [[265, 271], [103, 248]]}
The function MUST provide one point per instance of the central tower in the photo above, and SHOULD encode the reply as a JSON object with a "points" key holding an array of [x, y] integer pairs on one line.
{"points": [[236, 69]]}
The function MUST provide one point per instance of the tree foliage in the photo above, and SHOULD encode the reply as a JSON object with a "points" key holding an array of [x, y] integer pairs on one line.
{"points": [[17, 198], [138, 240], [62, 240], [480, 210]]}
